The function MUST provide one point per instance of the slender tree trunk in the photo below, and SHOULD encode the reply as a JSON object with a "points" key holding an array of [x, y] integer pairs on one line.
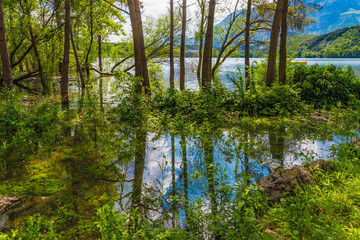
{"points": [[283, 38], [207, 58], [182, 47], [100, 53], [87, 64], [38, 59], [78, 65], [271, 69], [101, 93], [57, 4], [172, 71], [247, 45], [5, 58], [65, 65], [137, 56], [141, 69], [201, 40]]}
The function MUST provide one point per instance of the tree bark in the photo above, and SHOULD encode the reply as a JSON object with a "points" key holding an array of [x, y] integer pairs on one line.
{"points": [[271, 69], [87, 64], [100, 53], [182, 47], [141, 69], [65, 64], [38, 59], [207, 57], [201, 40], [172, 71], [78, 65], [5, 58], [283, 39], [57, 4], [247, 45]]}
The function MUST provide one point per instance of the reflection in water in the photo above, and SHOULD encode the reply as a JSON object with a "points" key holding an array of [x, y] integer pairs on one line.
{"points": [[169, 172]]}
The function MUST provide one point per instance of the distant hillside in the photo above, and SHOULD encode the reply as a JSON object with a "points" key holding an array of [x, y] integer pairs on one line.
{"points": [[335, 14], [340, 43]]}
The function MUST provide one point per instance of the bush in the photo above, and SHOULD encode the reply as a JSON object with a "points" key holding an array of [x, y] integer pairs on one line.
{"points": [[326, 86]]}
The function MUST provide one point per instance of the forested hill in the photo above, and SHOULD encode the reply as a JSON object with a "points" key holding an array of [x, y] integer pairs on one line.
{"points": [[340, 43]]}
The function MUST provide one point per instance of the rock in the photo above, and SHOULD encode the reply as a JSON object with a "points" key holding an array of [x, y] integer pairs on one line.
{"points": [[273, 233], [320, 164], [7, 202], [285, 182], [356, 143]]}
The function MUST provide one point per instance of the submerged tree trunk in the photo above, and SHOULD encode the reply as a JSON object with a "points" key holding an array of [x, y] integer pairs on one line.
{"points": [[277, 145], [182, 47], [64, 85], [207, 57], [172, 71], [141, 69], [283, 39], [210, 172], [78, 65], [271, 69], [184, 161], [173, 180], [5, 58], [140, 152], [247, 45]]}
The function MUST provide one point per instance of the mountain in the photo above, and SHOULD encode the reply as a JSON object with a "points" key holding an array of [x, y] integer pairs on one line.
{"points": [[340, 43], [335, 14]]}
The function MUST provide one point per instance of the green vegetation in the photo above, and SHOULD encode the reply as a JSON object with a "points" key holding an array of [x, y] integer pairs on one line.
{"points": [[117, 153], [70, 163]]}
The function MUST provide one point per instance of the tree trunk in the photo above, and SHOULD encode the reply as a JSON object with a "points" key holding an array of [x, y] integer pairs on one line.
{"points": [[87, 64], [38, 59], [271, 69], [283, 39], [247, 45], [172, 71], [141, 69], [100, 53], [182, 47], [201, 40], [78, 65], [5, 58], [207, 58], [65, 65], [57, 4]]}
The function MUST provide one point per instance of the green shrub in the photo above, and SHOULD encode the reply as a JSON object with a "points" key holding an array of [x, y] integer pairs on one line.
{"points": [[326, 86]]}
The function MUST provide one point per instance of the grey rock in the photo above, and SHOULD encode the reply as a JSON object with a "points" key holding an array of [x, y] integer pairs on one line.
{"points": [[285, 182]]}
